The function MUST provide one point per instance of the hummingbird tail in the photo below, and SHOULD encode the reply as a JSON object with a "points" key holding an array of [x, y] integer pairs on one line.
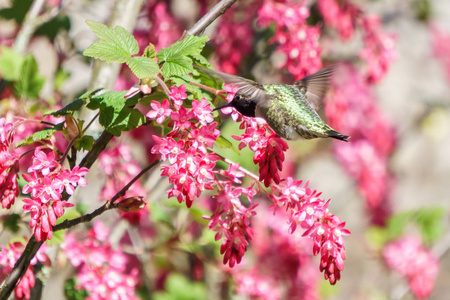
{"points": [[336, 135]]}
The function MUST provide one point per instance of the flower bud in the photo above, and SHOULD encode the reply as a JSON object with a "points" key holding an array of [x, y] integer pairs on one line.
{"points": [[131, 204]]}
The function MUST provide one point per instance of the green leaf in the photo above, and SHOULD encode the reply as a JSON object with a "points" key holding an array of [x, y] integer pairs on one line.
{"points": [[10, 64], [58, 238], [44, 134], [30, 82], [115, 45], [60, 77], [176, 286], [69, 215], [431, 223], [90, 94], [150, 52], [116, 113], [190, 46], [178, 57], [72, 293], [69, 109], [143, 67], [12, 222], [51, 28], [179, 65], [225, 144], [17, 12], [397, 224], [86, 143]]}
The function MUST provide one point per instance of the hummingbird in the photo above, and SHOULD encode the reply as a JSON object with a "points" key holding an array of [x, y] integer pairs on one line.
{"points": [[288, 109]]}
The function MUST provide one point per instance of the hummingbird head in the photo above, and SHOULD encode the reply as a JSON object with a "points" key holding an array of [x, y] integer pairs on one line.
{"points": [[242, 104]]}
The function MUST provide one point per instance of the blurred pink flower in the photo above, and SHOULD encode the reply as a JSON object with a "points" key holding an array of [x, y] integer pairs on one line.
{"points": [[341, 15], [298, 41], [441, 47], [418, 265], [353, 109], [104, 272]]}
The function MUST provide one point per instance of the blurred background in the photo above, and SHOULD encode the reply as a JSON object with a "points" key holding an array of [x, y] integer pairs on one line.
{"points": [[391, 184]]}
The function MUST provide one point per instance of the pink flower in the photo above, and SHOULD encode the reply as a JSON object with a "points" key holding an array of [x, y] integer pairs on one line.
{"points": [[178, 94], [420, 267], [339, 15], [202, 111], [101, 270], [6, 134], [297, 41], [160, 111], [311, 213], [353, 109], [379, 51], [441, 47], [42, 162], [270, 159]]}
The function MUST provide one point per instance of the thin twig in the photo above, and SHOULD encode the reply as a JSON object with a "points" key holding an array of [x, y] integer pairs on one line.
{"points": [[28, 27], [110, 204], [218, 10], [210, 89], [163, 85]]}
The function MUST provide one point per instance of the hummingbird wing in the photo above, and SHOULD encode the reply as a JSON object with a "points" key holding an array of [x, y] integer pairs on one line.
{"points": [[315, 86], [247, 88]]}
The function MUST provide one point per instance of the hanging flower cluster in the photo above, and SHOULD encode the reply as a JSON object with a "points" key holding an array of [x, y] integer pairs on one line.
{"points": [[47, 180]]}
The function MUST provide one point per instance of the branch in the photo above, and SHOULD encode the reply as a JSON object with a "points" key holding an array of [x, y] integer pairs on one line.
{"points": [[214, 13], [28, 27]]}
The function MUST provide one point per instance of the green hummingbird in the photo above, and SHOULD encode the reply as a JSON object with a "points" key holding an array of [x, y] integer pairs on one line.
{"points": [[288, 109]]}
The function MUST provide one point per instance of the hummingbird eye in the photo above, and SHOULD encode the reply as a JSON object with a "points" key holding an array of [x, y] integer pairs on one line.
{"points": [[237, 97]]}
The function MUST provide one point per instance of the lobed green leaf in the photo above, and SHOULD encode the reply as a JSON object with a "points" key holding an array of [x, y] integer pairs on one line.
{"points": [[143, 67], [116, 113], [115, 45]]}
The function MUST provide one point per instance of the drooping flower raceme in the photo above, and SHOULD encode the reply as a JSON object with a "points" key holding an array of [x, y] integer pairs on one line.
{"points": [[47, 180], [9, 165], [309, 212], [298, 41]]}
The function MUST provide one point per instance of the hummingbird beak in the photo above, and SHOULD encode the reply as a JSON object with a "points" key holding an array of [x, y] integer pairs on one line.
{"points": [[223, 106]]}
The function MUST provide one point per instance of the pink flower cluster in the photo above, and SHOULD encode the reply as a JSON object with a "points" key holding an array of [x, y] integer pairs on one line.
{"points": [[279, 259], [298, 41], [8, 258], [341, 15], [234, 32], [311, 213], [120, 168], [231, 219], [9, 165], [378, 51], [191, 169], [408, 257], [441, 47], [353, 109], [47, 180], [102, 271], [164, 28]]}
